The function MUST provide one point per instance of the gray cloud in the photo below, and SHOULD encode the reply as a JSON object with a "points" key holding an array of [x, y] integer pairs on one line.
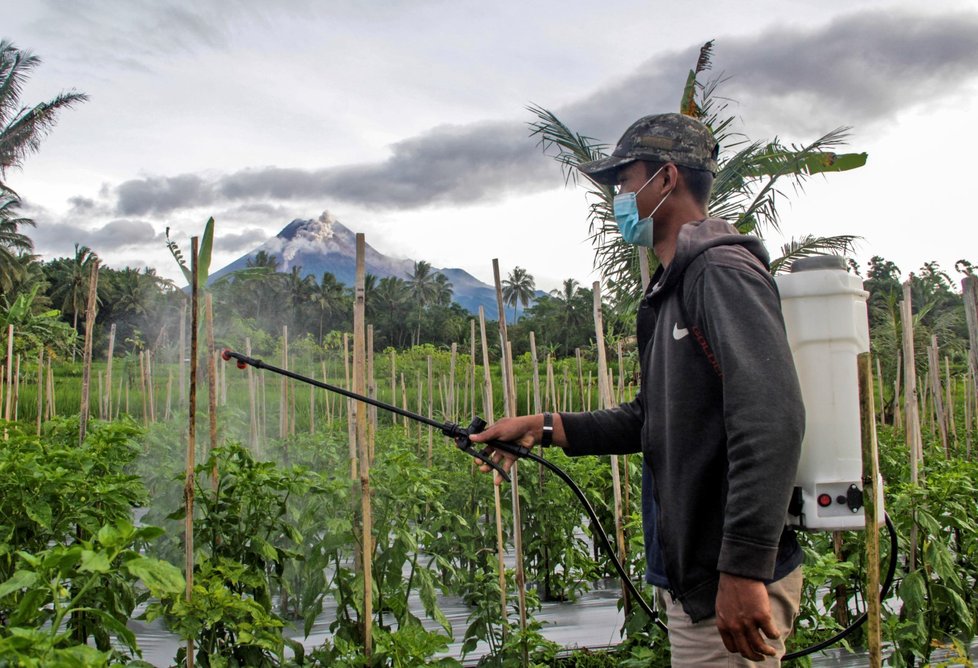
{"points": [[235, 242], [859, 69], [162, 194], [60, 237]]}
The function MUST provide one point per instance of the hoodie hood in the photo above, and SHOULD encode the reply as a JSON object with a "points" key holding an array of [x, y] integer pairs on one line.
{"points": [[697, 237]]}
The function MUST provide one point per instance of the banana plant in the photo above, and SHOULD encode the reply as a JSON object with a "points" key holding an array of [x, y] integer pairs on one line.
{"points": [[746, 190], [203, 255]]}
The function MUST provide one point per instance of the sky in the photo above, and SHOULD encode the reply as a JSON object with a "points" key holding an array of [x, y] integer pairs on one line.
{"points": [[408, 121]]}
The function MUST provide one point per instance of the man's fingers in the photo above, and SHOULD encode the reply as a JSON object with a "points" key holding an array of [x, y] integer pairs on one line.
{"points": [[770, 628]]}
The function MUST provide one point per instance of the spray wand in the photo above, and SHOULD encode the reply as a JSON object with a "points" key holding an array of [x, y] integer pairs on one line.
{"points": [[461, 437]]}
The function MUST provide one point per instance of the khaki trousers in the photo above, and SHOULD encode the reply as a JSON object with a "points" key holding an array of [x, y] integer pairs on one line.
{"points": [[700, 644]]}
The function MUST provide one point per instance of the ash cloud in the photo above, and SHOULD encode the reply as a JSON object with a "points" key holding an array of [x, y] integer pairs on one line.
{"points": [[860, 70]]}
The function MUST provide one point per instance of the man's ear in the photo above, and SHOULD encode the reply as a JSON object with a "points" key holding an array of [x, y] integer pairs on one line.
{"points": [[671, 180]]}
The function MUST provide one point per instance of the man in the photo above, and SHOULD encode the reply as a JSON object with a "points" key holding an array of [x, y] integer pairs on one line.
{"points": [[718, 418]]}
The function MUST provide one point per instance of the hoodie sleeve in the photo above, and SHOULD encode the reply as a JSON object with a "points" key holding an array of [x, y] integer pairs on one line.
{"points": [[615, 431], [763, 414]]}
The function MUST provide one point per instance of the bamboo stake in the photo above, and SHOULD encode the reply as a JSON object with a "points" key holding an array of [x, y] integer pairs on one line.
{"points": [[149, 383], [101, 397], [350, 425], [969, 289], [452, 412], [110, 357], [879, 379], [7, 410], [580, 379], [283, 405], [371, 392], [17, 389], [169, 394], [142, 387], [188, 487], [949, 403], [431, 432], [913, 437], [183, 351], [934, 368], [472, 366], [509, 403], [897, 391], [40, 387], [360, 382], [871, 492], [604, 389], [252, 409], [211, 383], [404, 400], [393, 383], [52, 401], [487, 401], [90, 312], [312, 404]]}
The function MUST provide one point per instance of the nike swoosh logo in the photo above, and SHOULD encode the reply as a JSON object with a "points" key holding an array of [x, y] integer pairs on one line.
{"points": [[679, 333]]}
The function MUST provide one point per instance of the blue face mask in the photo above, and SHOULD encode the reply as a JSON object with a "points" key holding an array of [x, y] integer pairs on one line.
{"points": [[634, 230]]}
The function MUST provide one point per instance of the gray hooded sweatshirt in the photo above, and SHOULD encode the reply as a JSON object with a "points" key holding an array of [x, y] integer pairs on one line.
{"points": [[719, 418]]}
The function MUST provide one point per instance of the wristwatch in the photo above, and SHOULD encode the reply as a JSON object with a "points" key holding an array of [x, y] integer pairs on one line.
{"points": [[548, 430]]}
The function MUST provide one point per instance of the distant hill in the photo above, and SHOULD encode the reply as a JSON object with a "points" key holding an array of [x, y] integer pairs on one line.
{"points": [[326, 244]]}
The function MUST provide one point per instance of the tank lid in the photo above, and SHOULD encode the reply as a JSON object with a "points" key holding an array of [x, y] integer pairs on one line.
{"points": [[816, 262]]}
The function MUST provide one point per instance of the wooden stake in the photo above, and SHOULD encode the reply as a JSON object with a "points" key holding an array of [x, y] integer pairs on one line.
{"points": [[934, 368], [90, 312], [509, 402], [40, 387], [487, 401], [211, 382], [914, 441], [360, 387], [182, 351], [188, 486], [252, 408], [372, 393], [871, 492], [604, 389], [879, 379], [109, 358], [431, 431]]}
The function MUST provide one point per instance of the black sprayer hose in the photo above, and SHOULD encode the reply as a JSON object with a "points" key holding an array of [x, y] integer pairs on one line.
{"points": [[602, 535], [884, 592], [519, 452]]}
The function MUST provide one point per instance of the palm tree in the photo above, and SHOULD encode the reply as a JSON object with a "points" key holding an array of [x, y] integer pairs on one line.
{"points": [[518, 289], [421, 283], [72, 287], [21, 127], [745, 191], [328, 296], [392, 297], [443, 290], [12, 242]]}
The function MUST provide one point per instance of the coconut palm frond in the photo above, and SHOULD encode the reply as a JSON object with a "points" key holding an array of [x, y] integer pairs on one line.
{"points": [[572, 149], [809, 245]]}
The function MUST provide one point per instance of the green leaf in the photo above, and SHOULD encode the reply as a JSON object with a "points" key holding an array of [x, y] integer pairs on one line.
{"points": [[19, 580], [204, 253], [94, 562], [160, 577], [40, 512]]}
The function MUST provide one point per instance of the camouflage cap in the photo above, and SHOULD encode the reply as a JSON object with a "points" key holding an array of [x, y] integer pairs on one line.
{"points": [[675, 138]]}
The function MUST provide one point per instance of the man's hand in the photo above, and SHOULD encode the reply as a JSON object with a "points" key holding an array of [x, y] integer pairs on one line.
{"points": [[743, 611], [524, 431]]}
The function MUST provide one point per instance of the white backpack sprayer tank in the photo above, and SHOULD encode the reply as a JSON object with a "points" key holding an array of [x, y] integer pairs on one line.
{"points": [[825, 316]]}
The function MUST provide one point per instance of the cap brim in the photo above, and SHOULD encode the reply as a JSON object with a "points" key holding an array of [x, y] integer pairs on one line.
{"points": [[605, 170]]}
